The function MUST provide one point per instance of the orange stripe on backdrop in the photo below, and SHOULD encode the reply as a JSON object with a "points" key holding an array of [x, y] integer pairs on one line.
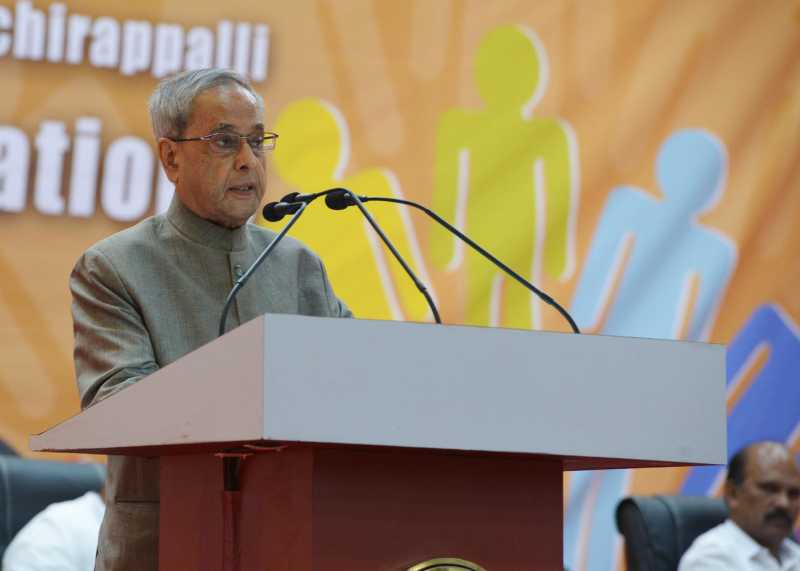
{"points": [[368, 67], [691, 290], [794, 442], [31, 392], [740, 385]]}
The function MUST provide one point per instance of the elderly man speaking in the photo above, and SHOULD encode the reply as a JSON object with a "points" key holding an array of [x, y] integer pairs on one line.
{"points": [[150, 294]]}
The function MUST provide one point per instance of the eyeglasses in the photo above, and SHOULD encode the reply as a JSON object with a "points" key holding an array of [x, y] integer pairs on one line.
{"points": [[230, 143]]}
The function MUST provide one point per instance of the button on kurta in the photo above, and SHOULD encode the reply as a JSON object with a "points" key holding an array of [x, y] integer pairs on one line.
{"points": [[237, 269]]}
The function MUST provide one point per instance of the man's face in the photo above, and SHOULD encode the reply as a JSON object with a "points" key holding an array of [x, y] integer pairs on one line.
{"points": [[767, 503], [224, 187]]}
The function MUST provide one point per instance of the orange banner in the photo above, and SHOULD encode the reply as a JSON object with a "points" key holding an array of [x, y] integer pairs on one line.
{"points": [[635, 159]]}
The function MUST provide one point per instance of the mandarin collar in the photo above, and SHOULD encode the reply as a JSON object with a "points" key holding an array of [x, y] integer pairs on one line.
{"points": [[204, 231]]}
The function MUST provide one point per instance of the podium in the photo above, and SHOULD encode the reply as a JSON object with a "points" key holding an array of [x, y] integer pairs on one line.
{"points": [[305, 443]]}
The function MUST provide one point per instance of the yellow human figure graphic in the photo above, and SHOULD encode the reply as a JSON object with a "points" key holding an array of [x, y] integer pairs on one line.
{"points": [[312, 155], [508, 179]]}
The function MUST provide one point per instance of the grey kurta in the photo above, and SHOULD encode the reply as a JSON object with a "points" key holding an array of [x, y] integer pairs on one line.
{"points": [[149, 295]]}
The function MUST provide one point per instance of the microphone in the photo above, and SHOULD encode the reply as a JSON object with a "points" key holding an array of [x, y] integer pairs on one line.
{"points": [[341, 198], [294, 197], [289, 204], [277, 210]]}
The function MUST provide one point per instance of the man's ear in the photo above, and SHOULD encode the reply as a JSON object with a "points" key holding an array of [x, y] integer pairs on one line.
{"points": [[730, 494], [167, 154]]}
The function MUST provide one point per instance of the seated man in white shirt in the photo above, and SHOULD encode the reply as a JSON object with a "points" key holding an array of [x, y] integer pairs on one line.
{"points": [[762, 492], [62, 537]]}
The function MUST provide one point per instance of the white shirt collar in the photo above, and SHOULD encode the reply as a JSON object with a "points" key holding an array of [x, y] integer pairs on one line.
{"points": [[750, 549]]}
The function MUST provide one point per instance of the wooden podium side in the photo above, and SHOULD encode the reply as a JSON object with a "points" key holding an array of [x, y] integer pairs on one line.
{"points": [[322, 508], [378, 445]]}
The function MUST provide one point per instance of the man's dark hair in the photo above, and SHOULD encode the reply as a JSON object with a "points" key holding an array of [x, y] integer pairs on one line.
{"points": [[737, 466]]}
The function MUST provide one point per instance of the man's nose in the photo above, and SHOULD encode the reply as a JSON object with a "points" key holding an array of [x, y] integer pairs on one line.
{"points": [[782, 499], [245, 158]]}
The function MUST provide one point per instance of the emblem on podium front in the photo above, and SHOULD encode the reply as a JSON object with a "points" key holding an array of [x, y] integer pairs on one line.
{"points": [[446, 564]]}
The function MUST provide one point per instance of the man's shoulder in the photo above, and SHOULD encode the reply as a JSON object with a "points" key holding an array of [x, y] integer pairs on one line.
{"points": [[714, 549], [144, 233], [89, 505], [716, 536]]}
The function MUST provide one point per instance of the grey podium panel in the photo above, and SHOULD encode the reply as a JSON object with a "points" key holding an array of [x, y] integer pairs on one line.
{"points": [[472, 388], [347, 381], [212, 395]]}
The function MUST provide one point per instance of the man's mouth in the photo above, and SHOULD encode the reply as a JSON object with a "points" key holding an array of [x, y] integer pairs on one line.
{"points": [[243, 188], [779, 517]]}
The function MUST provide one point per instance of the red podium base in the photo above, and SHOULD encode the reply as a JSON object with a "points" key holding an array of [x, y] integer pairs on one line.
{"points": [[304, 508]]}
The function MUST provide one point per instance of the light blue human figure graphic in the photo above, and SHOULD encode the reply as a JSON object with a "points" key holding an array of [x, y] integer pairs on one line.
{"points": [[667, 248], [652, 248], [769, 409], [590, 533]]}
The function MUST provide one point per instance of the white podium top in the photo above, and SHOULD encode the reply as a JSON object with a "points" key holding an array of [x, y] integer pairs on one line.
{"points": [[595, 401]]}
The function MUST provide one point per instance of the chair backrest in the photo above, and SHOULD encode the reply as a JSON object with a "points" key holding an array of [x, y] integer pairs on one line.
{"points": [[28, 486], [6, 449], [659, 529]]}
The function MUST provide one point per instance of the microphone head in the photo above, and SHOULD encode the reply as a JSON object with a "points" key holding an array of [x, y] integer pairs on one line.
{"points": [[291, 197], [338, 199], [272, 213]]}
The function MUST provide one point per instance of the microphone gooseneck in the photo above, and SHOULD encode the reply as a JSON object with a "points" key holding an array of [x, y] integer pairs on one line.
{"points": [[341, 198], [275, 209], [339, 201]]}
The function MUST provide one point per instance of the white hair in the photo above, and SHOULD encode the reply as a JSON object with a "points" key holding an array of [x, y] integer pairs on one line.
{"points": [[171, 102]]}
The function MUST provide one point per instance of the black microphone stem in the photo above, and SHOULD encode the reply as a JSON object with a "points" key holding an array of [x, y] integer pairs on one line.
{"points": [[254, 266], [420, 286], [546, 298]]}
